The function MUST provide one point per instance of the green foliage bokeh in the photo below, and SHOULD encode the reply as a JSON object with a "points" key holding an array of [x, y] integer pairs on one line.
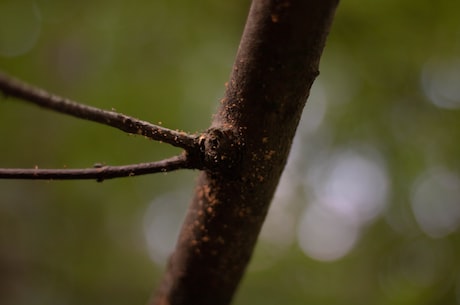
{"points": [[389, 74]]}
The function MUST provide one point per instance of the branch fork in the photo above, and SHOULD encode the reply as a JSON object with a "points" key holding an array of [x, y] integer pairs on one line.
{"points": [[208, 150]]}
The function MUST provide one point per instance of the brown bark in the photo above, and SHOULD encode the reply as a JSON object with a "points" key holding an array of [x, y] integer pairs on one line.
{"points": [[247, 148]]}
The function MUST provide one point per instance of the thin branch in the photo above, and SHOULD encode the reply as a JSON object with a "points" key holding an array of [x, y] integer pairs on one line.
{"points": [[99, 172], [16, 88]]}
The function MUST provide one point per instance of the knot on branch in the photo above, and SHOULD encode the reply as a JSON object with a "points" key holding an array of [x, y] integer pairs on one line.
{"points": [[220, 150]]}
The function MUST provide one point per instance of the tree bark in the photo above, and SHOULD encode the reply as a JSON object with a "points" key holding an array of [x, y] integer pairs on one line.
{"points": [[247, 148]]}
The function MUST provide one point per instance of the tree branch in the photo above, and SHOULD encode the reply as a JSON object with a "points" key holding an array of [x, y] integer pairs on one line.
{"points": [[16, 88], [276, 64], [99, 172]]}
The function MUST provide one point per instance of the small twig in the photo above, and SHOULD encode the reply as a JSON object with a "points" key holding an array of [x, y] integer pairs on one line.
{"points": [[98, 172], [16, 88]]}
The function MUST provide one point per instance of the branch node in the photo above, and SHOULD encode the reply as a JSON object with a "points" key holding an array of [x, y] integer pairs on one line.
{"points": [[220, 150]]}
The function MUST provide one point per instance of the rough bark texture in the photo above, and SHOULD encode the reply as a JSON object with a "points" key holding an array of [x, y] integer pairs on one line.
{"points": [[247, 149]]}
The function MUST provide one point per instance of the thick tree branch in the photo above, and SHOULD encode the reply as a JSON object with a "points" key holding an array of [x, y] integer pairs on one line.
{"points": [[276, 64], [99, 172], [16, 88]]}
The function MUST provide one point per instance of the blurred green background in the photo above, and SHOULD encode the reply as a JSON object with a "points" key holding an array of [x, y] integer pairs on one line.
{"points": [[368, 208]]}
